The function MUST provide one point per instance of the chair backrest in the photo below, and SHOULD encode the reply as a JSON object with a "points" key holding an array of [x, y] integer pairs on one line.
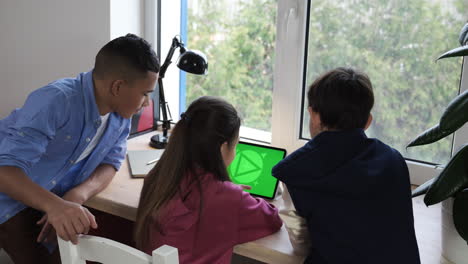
{"points": [[107, 251]]}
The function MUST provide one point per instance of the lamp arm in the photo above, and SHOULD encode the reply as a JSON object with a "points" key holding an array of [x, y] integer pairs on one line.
{"points": [[166, 123], [159, 141], [175, 44]]}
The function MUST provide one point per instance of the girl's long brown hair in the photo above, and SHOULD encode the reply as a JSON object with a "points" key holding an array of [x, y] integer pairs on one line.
{"points": [[194, 145]]}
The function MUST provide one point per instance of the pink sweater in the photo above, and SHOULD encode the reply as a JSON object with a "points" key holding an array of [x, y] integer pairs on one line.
{"points": [[229, 216]]}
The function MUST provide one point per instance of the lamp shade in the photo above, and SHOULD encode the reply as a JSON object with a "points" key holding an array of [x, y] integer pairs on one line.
{"points": [[193, 61]]}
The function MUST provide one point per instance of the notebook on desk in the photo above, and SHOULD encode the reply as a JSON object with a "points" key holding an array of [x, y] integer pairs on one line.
{"points": [[138, 161], [252, 166]]}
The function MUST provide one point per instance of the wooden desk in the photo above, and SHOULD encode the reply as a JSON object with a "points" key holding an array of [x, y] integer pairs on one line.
{"points": [[122, 195], [121, 198]]}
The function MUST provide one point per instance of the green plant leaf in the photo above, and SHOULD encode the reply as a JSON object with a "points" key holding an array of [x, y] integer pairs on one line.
{"points": [[456, 113], [429, 136], [463, 38], [452, 178], [460, 214], [422, 189], [457, 52]]}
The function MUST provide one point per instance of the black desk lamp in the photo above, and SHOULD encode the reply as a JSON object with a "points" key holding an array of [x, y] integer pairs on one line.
{"points": [[189, 61]]}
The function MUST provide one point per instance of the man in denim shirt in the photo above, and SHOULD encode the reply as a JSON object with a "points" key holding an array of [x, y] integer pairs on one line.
{"points": [[66, 144]]}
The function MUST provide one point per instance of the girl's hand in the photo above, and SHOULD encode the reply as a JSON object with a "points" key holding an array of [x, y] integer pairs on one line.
{"points": [[245, 187]]}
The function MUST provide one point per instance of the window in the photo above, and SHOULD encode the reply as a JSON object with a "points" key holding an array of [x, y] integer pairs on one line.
{"points": [[357, 33], [395, 43], [238, 37]]}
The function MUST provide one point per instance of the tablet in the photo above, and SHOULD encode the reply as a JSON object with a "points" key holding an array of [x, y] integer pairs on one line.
{"points": [[252, 166]]}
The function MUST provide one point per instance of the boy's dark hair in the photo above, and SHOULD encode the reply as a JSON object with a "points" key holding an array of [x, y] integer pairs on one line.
{"points": [[343, 97], [129, 57]]}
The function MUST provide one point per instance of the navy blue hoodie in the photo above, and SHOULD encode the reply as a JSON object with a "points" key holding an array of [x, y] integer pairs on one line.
{"points": [[355, 194]]}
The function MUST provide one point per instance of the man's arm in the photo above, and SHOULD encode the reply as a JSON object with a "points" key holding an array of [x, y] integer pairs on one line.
{"points": [[98, 181], [103, 174], [68, 218], [25, 142]]}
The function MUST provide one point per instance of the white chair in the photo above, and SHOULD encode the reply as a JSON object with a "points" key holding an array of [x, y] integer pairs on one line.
{"points": [[107, 251]]}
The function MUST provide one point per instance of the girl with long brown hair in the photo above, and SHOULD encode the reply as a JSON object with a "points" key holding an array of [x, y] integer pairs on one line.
{"points": [[188, 201]]}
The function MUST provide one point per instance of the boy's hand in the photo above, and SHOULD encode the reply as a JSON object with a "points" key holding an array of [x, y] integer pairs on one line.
{"points": [[68, 219], [297, 230]]}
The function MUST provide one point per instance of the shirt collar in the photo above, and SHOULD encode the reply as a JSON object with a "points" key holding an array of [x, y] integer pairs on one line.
{"points": [[91, 108], [347, 137]]}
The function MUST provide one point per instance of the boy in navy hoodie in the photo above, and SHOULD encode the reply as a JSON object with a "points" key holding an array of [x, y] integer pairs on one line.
{"points": [[353, 191]]}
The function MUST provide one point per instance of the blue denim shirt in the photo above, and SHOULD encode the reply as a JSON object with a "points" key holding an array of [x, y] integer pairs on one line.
{"points": [[46, 136]]}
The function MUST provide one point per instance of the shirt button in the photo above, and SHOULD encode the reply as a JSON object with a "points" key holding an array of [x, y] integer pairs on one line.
{"points": [[72, 161], [88, 139], [7, 216], [68, 137], [54, 182]]}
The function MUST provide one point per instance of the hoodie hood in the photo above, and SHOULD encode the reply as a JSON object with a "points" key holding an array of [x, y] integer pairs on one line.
{"points": [[344, 162]]}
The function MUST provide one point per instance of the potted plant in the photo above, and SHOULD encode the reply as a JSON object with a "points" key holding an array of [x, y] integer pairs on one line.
{"points": [[451, 185]]}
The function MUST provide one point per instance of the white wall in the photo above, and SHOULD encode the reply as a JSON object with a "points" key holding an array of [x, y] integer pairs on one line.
{"points": [[170, 27], [126, 17], [45, 40]]}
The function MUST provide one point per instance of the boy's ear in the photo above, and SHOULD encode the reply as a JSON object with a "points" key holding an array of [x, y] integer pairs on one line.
{"points": [[115, 87], [314, 116], [369, 122]]}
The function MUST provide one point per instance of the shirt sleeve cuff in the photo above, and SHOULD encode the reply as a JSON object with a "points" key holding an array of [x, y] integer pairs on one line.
{"points": [[116, 165], [15, 163]]}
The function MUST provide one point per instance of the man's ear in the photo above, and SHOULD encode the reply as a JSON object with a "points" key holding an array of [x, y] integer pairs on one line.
{"points": [[369, 122], [115, 87]]}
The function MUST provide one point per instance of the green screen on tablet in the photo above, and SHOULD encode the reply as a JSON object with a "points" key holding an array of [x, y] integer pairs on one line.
{"points": [[252, 166]]}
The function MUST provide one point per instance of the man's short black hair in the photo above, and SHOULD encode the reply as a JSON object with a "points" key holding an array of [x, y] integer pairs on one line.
{"points": [[129, 57], [343, 97]]}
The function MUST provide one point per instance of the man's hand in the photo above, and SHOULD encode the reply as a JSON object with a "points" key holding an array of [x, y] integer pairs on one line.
{"points": [[68, 219], [77, 219], [48, 233]]}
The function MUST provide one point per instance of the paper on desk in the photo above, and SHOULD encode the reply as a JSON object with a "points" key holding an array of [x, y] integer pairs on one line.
{"points": [[138, 159]]}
